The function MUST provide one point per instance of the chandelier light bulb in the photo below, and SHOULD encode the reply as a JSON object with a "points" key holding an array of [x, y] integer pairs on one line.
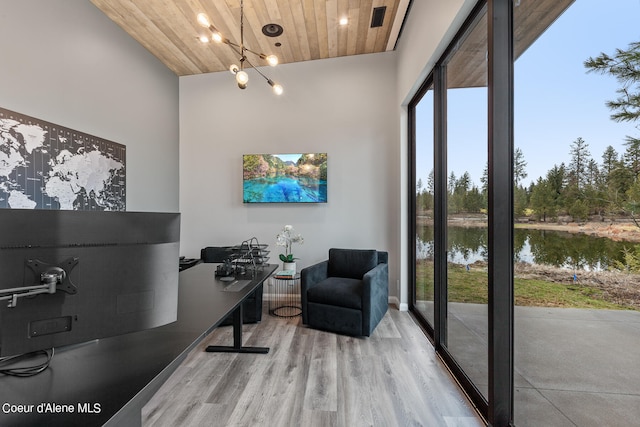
{"points": [[204, 39], [233, 68], [272, 60], [216, 37], [277, 88], [242, 78], [203, 20]]}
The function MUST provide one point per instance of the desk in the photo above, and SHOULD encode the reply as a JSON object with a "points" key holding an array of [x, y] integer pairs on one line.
{"points": [[120, 374]]}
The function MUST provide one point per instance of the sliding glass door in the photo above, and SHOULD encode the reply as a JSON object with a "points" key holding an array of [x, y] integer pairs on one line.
{"points": [[451, 215], [466, 203], [423, 207], [449, 156], [538, 324]]}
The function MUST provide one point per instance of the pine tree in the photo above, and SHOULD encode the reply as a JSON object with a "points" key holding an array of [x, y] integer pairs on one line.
{"points": [[620, 180], [473, 201], [621, 177], [429, 191], [519, 165], [520, 200], [580, 157], [557, 182], [609, 159], [430, 183], [452, 182], [592, 177], [543, 200], [460, 189], [624, 65], [632, 155]]}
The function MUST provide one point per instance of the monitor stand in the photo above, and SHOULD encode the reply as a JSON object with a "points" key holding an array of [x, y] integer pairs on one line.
{"points": [[237, 339]]}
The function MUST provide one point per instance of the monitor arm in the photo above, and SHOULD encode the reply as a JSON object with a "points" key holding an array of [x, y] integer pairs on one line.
{"points": [[49, 280]]}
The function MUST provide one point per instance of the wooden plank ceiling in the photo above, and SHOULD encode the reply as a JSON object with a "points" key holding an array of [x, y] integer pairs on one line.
{"points": [[170, 31]]}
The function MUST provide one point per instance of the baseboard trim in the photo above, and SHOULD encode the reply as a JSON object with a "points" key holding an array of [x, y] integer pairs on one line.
{"points": [[394, 301]]}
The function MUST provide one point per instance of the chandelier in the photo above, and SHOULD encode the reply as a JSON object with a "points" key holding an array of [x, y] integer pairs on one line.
{"points": [[242, 78]]}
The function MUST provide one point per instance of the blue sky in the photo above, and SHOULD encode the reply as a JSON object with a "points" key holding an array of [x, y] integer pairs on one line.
{"points": [[556, 101]]}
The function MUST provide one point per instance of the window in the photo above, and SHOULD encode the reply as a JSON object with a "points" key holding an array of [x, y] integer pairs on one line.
{"points": [[423, 207]]}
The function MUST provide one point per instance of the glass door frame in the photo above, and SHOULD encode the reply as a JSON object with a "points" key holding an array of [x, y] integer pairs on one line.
{"points": [[498, 408], [413, 203]]}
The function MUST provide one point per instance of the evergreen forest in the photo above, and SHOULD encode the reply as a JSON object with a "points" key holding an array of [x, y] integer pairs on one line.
{"points": [[590, 184]]}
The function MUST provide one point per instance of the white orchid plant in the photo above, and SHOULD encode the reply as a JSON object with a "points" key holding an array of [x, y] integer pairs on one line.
{"points": [[286, 238]]}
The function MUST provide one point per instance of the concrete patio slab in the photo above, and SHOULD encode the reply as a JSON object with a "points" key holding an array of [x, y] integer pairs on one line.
{"points": [[573, 367]]}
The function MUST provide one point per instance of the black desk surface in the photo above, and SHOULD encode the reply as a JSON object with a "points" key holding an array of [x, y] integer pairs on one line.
{"points": [[112, 378]]}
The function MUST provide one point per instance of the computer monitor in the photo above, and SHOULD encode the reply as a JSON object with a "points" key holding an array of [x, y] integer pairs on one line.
{"points": [[111, 273]]}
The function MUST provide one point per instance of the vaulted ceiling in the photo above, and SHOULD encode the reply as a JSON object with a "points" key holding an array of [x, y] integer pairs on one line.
{"points": [[311, 29]]}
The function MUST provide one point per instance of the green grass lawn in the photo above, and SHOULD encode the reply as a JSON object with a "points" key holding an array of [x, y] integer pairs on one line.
{"points": [[471, 287]]}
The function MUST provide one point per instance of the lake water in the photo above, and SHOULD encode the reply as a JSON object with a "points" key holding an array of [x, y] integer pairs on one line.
{"points": [[560, 249], [279, 189]]}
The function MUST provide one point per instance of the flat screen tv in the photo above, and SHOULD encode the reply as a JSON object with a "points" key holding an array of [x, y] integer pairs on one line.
{"points": [[114, 273], [284, 178]]}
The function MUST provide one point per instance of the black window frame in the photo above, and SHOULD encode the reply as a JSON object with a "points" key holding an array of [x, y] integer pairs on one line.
{"points": [[498, 408]]}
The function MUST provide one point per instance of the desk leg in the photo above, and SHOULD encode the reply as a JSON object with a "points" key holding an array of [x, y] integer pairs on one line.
{"points": [[237, 339]]}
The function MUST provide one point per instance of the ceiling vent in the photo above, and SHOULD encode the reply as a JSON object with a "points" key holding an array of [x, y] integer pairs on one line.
{"points": [[272, 30], [377, 18]]}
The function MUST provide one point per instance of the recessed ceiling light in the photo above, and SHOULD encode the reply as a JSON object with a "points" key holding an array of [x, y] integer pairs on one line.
{"points": [[344, 21]]}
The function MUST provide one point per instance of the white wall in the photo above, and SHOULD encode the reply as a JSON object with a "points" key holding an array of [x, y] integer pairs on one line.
{"points": [[428, 30], [345, 107], [65, 62]]}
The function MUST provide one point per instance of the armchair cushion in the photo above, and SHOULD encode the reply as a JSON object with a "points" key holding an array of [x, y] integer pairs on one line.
{"points": [[338, 291], [351, 263]]}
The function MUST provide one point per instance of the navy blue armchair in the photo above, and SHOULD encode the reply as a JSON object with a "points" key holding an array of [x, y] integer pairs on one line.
{"points": [[348, 293]]}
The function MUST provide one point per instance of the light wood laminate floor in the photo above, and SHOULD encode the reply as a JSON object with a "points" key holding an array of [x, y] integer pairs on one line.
{"points": [[314, 378]]}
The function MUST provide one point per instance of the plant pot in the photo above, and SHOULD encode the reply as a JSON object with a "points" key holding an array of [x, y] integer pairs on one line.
{"points": [[289, 266]]}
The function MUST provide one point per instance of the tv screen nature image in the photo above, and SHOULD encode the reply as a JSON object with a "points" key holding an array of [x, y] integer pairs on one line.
{"points": [[284, 178]]}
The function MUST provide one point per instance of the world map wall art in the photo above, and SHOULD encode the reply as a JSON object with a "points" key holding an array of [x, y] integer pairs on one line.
{"points": [[46, 166]]}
